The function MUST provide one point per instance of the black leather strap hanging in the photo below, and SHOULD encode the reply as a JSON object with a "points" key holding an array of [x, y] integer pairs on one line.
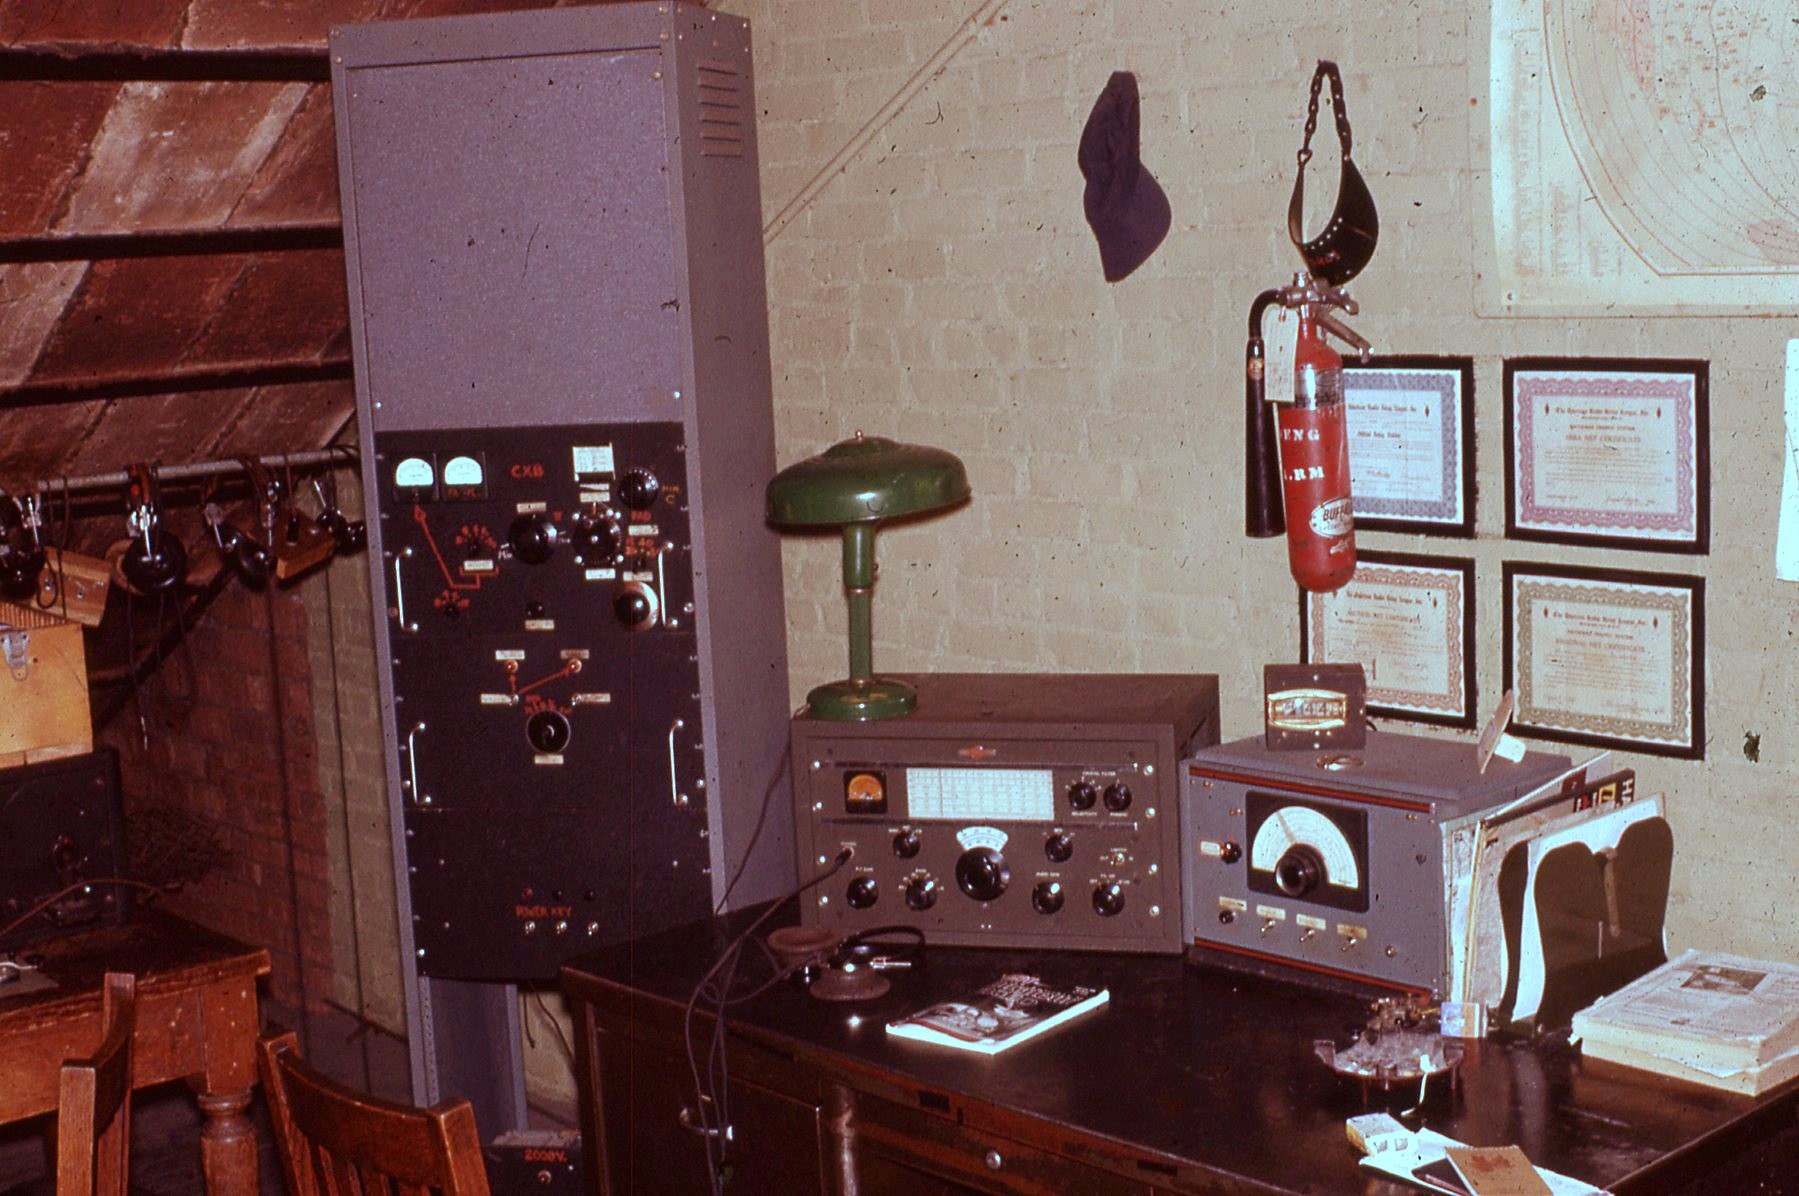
{"points": [[1345, 246]]}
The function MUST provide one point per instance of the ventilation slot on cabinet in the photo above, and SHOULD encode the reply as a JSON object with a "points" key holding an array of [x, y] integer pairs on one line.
{"points": [[723, 129]]}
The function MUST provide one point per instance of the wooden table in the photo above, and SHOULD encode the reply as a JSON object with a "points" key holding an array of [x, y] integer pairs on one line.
{"points": [[196, 1021], [1192, 1080]]}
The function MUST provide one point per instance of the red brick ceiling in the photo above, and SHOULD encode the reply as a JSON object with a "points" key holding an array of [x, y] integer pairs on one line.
{"points": [[171, 272]]}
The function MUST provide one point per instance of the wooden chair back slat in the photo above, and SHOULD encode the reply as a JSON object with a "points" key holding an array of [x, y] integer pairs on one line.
{"points": [[336, 1141], [93, 1108]]}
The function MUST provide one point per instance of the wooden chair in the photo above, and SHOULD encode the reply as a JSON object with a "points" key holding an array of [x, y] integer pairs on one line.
{"points": [[338, 1142], [93, 1108]]}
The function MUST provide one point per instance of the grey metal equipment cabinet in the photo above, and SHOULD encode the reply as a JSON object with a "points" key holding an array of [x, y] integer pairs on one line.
{"points": [[553, 240]]}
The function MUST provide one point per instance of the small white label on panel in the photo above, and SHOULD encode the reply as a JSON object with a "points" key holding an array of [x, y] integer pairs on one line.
{"points": [[546, 759], [643, 529], [600, 574], [532, 508], [592, 458], [1234, 904], [592, 699], [540, 624], [1272, 912], [508, 653], [496, 699], [477, 565], [1310, 922], [643, 577], [1211, 848]]}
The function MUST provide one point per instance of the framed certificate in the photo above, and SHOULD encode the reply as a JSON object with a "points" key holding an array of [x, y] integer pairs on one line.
{"points": [[1607, 657], [1411, 443], [1608, 452], [1409, 622]]}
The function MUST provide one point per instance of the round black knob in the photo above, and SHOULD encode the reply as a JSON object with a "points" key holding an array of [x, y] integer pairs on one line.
{"points": [[636, 606], [1047, 897], [598, 540], [1298, 872], [1118, 797], [921, 893], [863, 892], [1059, 847], [1227, 916], [981, 872], [548, 731], [1108, 900], [906, 843], [533, 538], [1230, 853], [639, 489], [1082, 795]]}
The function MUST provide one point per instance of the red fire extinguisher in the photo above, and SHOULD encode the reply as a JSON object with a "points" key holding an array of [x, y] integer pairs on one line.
{"points": [[1313, 437], [1314, 456]]}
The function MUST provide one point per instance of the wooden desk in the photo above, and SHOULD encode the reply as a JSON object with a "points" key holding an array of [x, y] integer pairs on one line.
{"points": [[196, 1021], [1192, 1080]]}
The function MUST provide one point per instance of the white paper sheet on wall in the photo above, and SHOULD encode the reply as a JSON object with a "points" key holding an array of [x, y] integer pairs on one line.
{"points": [[1786, 544]]}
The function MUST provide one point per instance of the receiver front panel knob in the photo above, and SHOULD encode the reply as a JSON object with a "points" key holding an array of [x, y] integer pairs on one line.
{"points": [[981, 872]]}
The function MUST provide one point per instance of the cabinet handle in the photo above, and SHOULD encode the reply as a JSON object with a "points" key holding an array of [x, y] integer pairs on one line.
{"points": [[674, 780], [400, 593], [993, 1160]]}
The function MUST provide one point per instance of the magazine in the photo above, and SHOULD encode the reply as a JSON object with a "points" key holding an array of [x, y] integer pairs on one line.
{"points": [[1001, 1015]]}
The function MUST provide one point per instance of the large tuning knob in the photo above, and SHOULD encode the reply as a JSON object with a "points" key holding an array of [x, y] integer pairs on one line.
{"points": [[639, 489], [533, 538], [597, 539], [981, 872]]}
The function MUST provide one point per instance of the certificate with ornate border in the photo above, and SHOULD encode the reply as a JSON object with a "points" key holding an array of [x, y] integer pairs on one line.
{"points": [[1608, 452], [1409, 622], [1411, 443], [1607, 657]]}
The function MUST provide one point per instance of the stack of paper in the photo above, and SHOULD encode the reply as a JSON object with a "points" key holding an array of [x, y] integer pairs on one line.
{"points": [[1715, 1019]]}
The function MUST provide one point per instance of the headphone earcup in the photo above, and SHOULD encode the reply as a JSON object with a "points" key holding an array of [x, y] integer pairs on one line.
{"points": [[154, 562]]}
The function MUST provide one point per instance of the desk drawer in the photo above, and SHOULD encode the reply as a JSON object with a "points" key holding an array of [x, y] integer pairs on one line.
{"points": [[889, 1140], [645, 1095]]}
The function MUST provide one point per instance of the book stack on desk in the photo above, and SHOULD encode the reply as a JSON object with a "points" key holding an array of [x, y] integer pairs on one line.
{"points": [[1714, 1019]]}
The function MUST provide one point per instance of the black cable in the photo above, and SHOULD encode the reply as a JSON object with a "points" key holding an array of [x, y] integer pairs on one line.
{"points": [[714, 1135], [768, 793], [287, 818], [52, 899]]}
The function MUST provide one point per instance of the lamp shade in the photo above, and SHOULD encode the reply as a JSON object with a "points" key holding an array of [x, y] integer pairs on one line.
{"points": [[863, 479]]}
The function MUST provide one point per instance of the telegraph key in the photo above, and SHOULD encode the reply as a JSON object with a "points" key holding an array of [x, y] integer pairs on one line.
{"points": [[1006, 811]]}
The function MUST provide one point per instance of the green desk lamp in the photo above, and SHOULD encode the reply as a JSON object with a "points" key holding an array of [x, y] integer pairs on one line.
{"points": [[858, 483]]}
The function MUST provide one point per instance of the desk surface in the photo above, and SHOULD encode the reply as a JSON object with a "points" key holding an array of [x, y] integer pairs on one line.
{"points": [[1191, 1075], [196, 1021]]}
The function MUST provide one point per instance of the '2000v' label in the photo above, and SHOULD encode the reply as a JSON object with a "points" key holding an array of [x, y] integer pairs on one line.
{"points": [[1333, 518]]}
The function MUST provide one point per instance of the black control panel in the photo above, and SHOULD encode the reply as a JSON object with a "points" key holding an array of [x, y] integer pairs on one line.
{"points": [[540, 594]]}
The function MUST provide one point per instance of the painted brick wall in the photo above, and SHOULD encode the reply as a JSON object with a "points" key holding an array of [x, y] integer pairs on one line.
{"points": [[220, 727], [932, 278]]}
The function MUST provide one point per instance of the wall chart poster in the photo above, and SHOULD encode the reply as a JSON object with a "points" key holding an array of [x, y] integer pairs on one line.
{"points": [[1409, 622], [1608, 452], [1607, 657], [1411, 443]]}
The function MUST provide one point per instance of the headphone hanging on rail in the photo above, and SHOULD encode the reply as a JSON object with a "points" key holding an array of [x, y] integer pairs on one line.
{"points": [[156, 560], [22, 555]]}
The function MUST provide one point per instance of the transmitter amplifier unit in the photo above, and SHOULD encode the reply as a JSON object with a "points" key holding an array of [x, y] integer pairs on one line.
{"points": [[1006, 811], [1334, 861]]}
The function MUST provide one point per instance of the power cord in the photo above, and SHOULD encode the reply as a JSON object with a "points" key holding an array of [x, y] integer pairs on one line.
{"points": [[711, 1114]]}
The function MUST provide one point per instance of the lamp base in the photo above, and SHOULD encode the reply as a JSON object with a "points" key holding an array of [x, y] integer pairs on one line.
{"points": [[861, 701]]}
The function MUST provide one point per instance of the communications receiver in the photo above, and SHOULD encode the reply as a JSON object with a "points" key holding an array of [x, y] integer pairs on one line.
{"points": [[1333, 861], [1006, 811]]}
